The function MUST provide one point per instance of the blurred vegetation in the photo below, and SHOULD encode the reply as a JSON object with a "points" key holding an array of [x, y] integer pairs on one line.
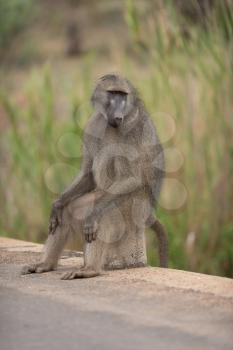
{"points": [[14, 17], [181, 68]]}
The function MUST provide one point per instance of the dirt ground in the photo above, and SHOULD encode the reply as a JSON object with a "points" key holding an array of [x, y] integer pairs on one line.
{"points": [[124, 309], [20, 252]]}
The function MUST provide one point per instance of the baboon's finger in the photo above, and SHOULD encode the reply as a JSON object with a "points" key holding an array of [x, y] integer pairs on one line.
{"points": [[27, 269]]}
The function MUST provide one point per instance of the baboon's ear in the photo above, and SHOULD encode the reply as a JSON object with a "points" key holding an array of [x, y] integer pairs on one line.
{"points": [[96, 96], [93, 99]]}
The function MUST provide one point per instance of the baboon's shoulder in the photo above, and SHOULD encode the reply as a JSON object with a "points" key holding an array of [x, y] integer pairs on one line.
{"points": [[95, 124]]}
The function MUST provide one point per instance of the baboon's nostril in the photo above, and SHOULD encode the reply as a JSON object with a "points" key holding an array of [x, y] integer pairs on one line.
{"points": [[119, 118]]}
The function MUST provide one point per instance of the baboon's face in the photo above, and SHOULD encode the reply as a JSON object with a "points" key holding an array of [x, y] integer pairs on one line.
{"points": [[115, 99], [116, 107]]}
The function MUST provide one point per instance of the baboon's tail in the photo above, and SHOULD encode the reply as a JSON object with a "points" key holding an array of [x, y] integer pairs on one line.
{"points": [[161, 234]]}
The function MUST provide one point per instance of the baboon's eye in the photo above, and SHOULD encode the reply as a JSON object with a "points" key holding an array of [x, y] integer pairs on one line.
{"points": [[116, 92], [112, 101]]}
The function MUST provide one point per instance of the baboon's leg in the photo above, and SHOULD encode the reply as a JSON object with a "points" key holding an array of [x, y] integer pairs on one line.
{"points": [[71, 222], [79, 210], [72, 217], [161, 234], [52, 251]]}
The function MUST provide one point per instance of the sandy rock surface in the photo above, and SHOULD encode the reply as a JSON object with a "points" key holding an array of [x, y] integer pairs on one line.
{"points": [[172, 308]]}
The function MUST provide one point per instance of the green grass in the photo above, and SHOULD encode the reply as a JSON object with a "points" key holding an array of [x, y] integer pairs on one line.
{"points": [[11, 23], [185, 81]]}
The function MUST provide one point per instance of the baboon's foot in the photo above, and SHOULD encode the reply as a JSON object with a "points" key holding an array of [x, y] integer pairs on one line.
{"points": [[37, 268], [79, 273]]}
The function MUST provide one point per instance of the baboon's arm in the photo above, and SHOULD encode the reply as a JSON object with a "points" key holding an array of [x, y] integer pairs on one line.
{"points": [[104, 203], [107, 200], [118, 192], [83, 184]]}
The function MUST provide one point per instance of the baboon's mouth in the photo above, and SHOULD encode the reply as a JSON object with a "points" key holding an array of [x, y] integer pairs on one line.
{"points": [[114, 124]]}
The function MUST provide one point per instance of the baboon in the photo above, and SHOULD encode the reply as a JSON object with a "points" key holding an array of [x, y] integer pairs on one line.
{"points": [[113, 198]]}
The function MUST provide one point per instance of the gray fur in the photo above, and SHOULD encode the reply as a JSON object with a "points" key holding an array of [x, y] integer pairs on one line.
{"points": [[113, 198]]}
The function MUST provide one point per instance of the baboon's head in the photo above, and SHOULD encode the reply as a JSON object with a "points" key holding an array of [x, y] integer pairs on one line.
{"points": [[115, 98]]}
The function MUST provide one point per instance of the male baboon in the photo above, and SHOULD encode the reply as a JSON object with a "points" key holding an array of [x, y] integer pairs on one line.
{"points": [[113, 198]]}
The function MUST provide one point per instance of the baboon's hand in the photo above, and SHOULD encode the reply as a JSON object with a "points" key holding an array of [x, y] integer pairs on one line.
{"points": [[90, 229], [55, 216]]}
